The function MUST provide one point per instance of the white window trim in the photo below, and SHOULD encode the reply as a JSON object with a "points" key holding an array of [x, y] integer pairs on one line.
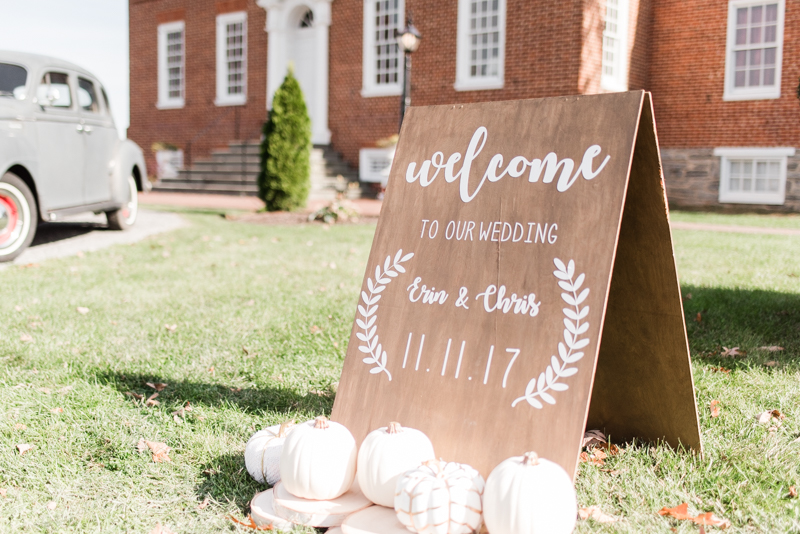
{"points": [[368, 86], [619, 82], [732, 93], [463, 80], [774, 154], [223, 98], [164, 102]]}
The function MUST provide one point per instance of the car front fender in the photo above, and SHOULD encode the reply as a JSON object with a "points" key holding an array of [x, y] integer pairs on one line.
{"points": [[128, 161]]}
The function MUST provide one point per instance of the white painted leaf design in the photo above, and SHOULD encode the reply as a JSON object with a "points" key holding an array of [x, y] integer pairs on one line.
{"points": [[582, 328], [547, 397], [554, 363], [407, 257], [569, 299], [566, 286], [584, 312], [391, 274], [558, 386], [579, 281], [574, 357], [540, 383], [364, 348], [400, 268], [560, 265], [580, 344], [548, 375], [370, 322], [569, 372], [535, 403], [582, 296], [570, 326], [397, 256], [370, 285], [376, 370], [571, 268], [361, 336], [361, 324], [368, 360], [570, 313]]}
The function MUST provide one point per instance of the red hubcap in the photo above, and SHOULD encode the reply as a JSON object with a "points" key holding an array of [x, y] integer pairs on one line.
{"points": [[9, 218]]}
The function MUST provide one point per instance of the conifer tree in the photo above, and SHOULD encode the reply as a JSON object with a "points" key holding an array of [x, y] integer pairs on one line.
{"points": [[284, 180]]}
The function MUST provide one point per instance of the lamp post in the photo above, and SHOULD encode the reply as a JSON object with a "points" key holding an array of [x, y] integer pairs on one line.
{"points": [[408, 40]]}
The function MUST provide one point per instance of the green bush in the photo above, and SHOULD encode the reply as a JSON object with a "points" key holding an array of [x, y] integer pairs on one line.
{"points": [[284, 180]]}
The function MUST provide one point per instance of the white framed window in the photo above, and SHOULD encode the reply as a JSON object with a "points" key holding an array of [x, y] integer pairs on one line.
{"points": [[171, 65], [614, 76], [480, 55], [383, 60], [754, 50], [753, 175], [231, 59]]}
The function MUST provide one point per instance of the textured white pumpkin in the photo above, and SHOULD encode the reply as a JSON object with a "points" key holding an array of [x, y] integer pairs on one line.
{"points": [[386, 454], [318, 460], [529, 495], [262, 454], [440, 498]]}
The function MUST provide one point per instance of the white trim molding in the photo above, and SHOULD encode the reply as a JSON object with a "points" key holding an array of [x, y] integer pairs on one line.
{"points": [[754, 49], [614, 73], [171, 65], [283, 19], [384, 78], [481, 45], [374, 164], [753, 175], [231, 38]]}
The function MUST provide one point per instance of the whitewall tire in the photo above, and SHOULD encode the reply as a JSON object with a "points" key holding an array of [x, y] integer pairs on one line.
{"points": [[18, 217]]}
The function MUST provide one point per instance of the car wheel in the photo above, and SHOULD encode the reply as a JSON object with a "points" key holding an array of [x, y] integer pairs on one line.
{"points": [[123, 218], [18, 217]]}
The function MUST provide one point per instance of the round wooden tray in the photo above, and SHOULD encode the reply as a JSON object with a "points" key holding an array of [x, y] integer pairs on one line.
{"points": [[374, 520], [334, 530], [318, 513], [262, 510]]}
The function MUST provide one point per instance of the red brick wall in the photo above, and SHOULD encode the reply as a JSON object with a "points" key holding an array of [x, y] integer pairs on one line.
{"points": [[179, 126], [686, 75], [543, 58]]}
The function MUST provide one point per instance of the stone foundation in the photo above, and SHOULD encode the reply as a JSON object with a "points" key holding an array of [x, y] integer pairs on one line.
{"points": [[692, 178]]}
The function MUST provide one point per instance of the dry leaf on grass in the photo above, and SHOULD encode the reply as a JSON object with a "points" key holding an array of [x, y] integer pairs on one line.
{"points": [[24, 447], [20, 426], [766, 417], [732, 353], [3, 492], [18, 308], [771, 348], [593, 437], [595, 456], [65, 390], [699, 317], [771, 363], [171, 327], [719, 370], [159, 529], [679, 512], [57, 410], [316, 330], [159, 450], [134, 395], [710, 520], [594, 512], [203, 504], [46, 391], [715, 409], [245, 350], [250, 302], [26, 338], [51, 505], [688, 296], [158, 386], [82, 310], [251, 524], [792, 492], [151, 400]]}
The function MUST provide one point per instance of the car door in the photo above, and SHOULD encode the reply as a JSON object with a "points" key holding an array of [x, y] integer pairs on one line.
{"points": [[99, 141], [59, 139]]}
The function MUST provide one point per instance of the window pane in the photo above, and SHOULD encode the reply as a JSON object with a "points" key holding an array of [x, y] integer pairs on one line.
{"points": [[741, 36], [56, 93], [755, 35], [769, 56], [735, 184], [386, 48], [772, 13], [755, 14], [12, 80], [87, 97], [741, 16], [769, 76], [739, 79]]}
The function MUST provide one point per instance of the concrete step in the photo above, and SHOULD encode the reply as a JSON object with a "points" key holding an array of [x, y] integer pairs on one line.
{"points": [[216, 176], [231, 166], [223, 156], [175, 186]]}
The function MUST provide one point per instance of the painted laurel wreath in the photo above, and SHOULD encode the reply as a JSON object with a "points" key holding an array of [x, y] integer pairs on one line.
{"points": [[538, 389], [369, 309]]}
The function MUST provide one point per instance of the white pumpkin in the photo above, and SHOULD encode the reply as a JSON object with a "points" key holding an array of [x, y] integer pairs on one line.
{"points": [[262, 454], [318, 460], [440, 498], [386, 454], [529, 495]]}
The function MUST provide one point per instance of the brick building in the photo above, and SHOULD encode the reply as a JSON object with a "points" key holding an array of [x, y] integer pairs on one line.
{"points": [[723, 74]]}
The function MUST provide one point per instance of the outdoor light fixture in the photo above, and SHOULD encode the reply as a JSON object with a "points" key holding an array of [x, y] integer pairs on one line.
{"points": [[408, 40]]}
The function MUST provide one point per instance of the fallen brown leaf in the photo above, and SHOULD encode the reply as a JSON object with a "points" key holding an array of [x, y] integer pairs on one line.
{"points": [[57, 410], [732, 353], [171, 327], [316, 330], [65, 390], [151, 400], [82, 310], [51, 505], [699, 317], [26, 338], [679, 512], [719, 370], [20, 426], [593, 437], [594, 512], [766, 417], [771, 348], [134, 395], [246, 350], [715, 409], [203, 504], [23, 448], [211, 370], [250, 524], [159, 529], [792, 492], [771, 363], [46, 391], [159, 451], [18, 308], [595, 457], [158, 386], [250, 302], [3, 492], [711, 520]]}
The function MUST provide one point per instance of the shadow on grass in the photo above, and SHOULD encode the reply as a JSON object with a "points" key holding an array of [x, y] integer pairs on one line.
{"points": [[50, 232], [248, 400], [227, 480], [744, 318]]}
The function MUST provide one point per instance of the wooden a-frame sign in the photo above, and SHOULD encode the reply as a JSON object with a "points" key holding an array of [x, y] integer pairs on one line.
{"points": [[521, 286]]}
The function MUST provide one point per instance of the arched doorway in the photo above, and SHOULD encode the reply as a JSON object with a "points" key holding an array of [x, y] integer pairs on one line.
{"points": [[298, 36]]}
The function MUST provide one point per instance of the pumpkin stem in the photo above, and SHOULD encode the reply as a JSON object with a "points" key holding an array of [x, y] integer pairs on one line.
{"points": [[437, 465], [321, 422], [394, 428], [285, 426], [530, 459]]}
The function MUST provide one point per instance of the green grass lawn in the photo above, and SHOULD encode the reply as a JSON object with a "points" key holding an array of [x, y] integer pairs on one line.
{"points": [[262, 316]]}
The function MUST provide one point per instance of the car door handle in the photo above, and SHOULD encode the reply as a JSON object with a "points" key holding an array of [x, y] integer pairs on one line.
{"points": [[79, 127], [87, 129]]}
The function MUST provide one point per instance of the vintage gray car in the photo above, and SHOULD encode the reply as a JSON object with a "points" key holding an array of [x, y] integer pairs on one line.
{"points": [[59, 150]]}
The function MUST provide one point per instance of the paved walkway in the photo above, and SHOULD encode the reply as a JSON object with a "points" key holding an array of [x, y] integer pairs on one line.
{"points": [[364, 206], [88, 232]]}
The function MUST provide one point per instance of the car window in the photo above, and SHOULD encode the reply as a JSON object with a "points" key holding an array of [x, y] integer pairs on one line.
{"points": [[12, 80], [54, 90], [105, 99], [87, 98]]}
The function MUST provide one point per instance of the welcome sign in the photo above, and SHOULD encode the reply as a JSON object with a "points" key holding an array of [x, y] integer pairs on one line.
{"points": [[521, 285]]}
